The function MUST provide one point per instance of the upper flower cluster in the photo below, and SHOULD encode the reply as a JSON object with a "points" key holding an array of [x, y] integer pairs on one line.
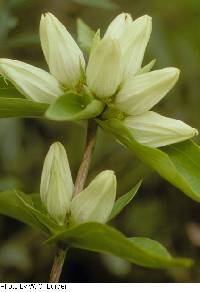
{"points": [[114, 74]]}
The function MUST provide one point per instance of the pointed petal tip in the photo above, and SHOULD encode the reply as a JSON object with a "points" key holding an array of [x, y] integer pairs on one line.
{"points": [[127, 16], [174, 72], [108, 172], [145, 18], [57, 145], [47, 14], [195, 132]]}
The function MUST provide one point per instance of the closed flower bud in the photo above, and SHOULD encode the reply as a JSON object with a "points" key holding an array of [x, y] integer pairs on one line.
{"points": [[104, 68], [133, 37], [56, 183], [34, 83], [154, 130], [133, 43], [118, 25], [140, 93], [95, 203], [62, 54]]}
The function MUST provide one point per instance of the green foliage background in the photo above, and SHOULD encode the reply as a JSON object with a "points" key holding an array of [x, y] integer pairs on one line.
{"points": [[159, 211]]}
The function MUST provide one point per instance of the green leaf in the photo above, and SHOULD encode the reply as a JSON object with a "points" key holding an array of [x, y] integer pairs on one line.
{"points": [[179, 163], [27, 209], [124, 200], [107, 4], [12, 206], [20, 107], [102, 238], [33, 204], [73, 107], [151, 246], [85, 35]]}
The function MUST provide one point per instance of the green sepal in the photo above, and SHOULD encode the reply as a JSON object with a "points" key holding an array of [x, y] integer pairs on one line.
{"points": [[105, 239], [74, 107], [85, 35], [123, 201], [178, 163]]}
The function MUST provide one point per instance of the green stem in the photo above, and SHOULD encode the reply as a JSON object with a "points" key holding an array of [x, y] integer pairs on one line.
{"points": [[79, 184]]}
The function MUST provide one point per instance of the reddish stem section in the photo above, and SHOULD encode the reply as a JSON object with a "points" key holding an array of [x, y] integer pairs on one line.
{"points": [[87, 157]]}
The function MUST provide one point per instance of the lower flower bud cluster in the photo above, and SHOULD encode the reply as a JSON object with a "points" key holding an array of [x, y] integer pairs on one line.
{"points": [[94, 203]]}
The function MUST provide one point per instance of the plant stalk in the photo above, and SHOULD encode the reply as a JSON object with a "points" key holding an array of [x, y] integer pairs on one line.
{"points": [[58, 263], [79, 185], [87, 157]]}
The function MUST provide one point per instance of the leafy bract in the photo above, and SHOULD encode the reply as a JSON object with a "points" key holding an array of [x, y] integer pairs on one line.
{"points": [[103, 238], [20, 107], [124, 200], [85, 35], [72, 107], [27, 209], [179, 163]]}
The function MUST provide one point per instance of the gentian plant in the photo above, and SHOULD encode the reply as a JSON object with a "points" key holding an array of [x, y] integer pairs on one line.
{"points": [[103, 82]]}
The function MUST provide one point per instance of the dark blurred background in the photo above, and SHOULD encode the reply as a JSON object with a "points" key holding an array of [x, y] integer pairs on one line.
{"points": [[159, 211]]}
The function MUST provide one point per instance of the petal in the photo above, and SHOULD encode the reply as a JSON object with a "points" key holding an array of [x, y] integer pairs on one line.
{"points": [[133, 43], [142, 92], [95, 203], [118, 25], [56, 182], [154, 130], [104, 68], [62, 54], [34, 83]]}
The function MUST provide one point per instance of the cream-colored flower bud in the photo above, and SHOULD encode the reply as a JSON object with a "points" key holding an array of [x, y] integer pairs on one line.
{"points": [[140, 93], [118, 25], [56, 186], [133, 43], [104, 70], [34, 83], [65, 59], [95, 203], [154, 130]]}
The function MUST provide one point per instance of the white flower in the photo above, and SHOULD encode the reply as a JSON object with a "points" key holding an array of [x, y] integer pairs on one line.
{"points": [[62, 54], [154, 130], [114, 73], [56, 186], [133, 39], [34, 83], [94, 203], [141, 92], [140, 89], [65, 60], [104, 68]]}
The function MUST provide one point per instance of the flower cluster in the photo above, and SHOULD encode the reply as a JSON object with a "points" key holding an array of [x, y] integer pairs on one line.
{"points": [[94, 203], [114, 74]]}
